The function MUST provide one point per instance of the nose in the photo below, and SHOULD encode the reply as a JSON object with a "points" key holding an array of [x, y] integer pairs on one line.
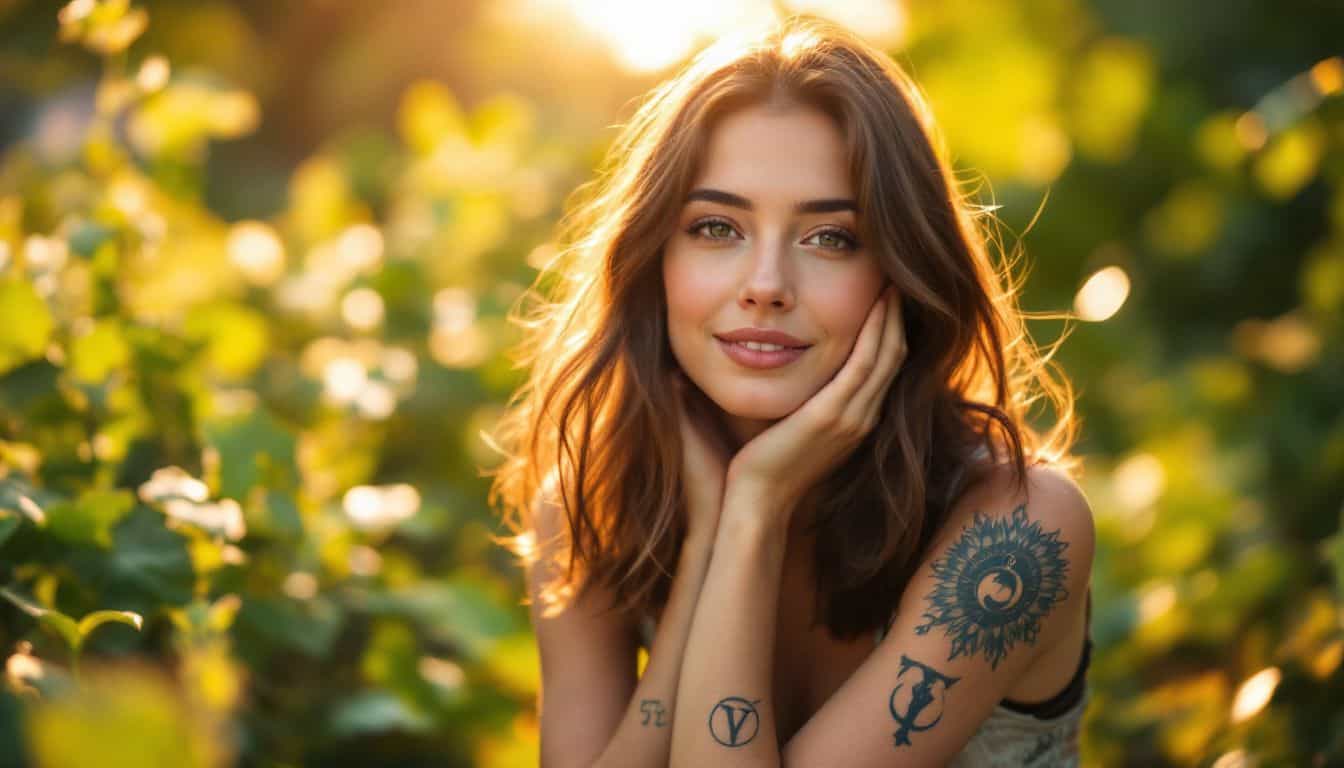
{"points": [[767, 282]]}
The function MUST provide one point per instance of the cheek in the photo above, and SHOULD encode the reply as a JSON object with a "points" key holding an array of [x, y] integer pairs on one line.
{"points": [[690, 292], [843, 307]]}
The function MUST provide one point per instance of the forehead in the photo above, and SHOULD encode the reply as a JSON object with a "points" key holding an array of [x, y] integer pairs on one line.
{"points": [[770, 152]]}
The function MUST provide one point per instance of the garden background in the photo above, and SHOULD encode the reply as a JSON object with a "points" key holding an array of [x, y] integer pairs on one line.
{"points": [[255, 265]]}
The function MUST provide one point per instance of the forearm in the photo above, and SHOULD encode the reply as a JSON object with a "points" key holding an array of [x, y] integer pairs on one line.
{"points": [[644, 737], [726, 690]]}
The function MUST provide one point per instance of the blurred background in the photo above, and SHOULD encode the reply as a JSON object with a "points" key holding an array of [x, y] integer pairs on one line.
{"points": [[255, 261]]}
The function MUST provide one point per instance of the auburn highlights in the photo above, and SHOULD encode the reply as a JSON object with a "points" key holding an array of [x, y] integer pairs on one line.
{"points": [[592, 430]]}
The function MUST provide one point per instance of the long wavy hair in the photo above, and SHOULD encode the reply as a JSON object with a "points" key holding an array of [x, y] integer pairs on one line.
{"points": [[591, 430]]}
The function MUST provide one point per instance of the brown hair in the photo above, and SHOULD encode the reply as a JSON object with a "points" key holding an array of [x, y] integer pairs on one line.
{"points": [[590, 431]]}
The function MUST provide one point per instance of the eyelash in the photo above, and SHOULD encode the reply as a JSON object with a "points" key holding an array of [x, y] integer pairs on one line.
{"points": [[850, 243]]}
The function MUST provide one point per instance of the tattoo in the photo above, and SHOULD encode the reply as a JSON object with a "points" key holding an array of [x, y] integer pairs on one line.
{"points": [[917, 701], [995, 584], [652, 707], [738, 724]]}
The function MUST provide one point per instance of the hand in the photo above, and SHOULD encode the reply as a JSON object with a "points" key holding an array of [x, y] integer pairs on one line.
{"points": [[705, 455], [779, 465]]}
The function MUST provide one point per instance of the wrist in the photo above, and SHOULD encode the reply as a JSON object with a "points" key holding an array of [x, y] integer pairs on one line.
{"points": [[751, 513]]}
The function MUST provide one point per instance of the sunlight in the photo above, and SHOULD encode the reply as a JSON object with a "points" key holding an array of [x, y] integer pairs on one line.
{"points": [[648, 37]]}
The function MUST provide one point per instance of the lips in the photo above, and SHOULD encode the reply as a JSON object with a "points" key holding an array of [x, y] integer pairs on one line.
{"points": [[780, 350], [763, 336]]}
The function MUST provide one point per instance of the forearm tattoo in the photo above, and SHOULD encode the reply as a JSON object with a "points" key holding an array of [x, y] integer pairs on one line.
{"points": [[734, 722], [653, 711], [995, 584], [917, 701]]}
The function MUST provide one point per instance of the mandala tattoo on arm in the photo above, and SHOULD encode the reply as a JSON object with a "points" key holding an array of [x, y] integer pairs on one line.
{"points": [[995, 584]]}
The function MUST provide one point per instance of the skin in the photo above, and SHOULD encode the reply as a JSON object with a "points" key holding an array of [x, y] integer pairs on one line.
{"points": [[933, 680], [805, 273], [920, 694]]}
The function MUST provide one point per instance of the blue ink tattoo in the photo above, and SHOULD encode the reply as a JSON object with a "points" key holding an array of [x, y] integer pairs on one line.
{"points": [[739, 723], [652, 707], [995, 584], [920, 707]]}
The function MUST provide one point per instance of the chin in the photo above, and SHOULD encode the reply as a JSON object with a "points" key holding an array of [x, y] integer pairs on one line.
{"points": [[747, 404]]}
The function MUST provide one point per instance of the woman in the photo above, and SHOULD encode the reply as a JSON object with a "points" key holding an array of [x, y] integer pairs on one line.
{"points": [[775, 431]]}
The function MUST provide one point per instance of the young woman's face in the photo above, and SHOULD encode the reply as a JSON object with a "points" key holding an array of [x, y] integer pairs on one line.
{"points": [[768, 240]]}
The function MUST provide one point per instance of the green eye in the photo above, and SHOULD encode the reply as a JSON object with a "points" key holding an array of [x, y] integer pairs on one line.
{"points": [[718, 229], [834, 239], [713, 229]]}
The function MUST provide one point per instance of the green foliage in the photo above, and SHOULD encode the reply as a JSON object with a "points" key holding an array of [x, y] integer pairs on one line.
{"points": [[252, 436]]}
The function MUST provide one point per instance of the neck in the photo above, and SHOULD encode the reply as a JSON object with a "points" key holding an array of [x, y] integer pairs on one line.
{"points": [[743, 429]]}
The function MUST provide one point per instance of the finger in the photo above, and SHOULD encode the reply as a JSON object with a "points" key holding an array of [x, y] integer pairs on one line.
{"points": [[833, 398], [868, 401]]}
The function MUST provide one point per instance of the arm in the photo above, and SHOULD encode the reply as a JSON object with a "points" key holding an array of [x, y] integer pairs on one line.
{"points": [[1004, 585], [588, 669], [938, 673], [644, 737], [725, 688]]}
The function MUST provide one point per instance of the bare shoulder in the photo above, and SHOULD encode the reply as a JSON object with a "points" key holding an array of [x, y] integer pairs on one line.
{"points": [[1051, 497]]}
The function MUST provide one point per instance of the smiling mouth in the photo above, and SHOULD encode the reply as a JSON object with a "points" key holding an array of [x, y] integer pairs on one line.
{"points": [[760, 346]]}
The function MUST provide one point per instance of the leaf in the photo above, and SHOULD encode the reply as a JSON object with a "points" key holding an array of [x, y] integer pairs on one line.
{"points": [[49, 617], [98, 353], [92, 621], [150, 559], [309, 627], [124, 716], [236, 337], [89, 520], [248, 447], [461, 613], [25, 324], [9, 523], [374, 712]]}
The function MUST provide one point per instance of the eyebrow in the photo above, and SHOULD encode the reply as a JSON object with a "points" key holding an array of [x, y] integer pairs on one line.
{"points": [[826, 205]]}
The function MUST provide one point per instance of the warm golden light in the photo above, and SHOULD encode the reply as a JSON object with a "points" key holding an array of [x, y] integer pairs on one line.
{"points": [[1139, 480], [1255, 693], [1328, 76], [1102, 295], [256, 250], [362, 309], [647, 37]]}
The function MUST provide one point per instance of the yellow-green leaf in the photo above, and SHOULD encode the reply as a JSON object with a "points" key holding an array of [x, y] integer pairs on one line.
{"points": [[92, 621], [25, 323], [48, 617]]}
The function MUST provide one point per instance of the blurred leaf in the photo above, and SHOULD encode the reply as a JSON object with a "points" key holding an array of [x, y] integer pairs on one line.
{"points": [[93, 620], [9, 523], [235, 336], [150, 558], [127, 717], [1113, 87], [64, 626], [89, 519], [1291, 160], [250, 449], [428, 114], [96, 354], [310, 626], [375, 712], [461, 613], [25, 323]]}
